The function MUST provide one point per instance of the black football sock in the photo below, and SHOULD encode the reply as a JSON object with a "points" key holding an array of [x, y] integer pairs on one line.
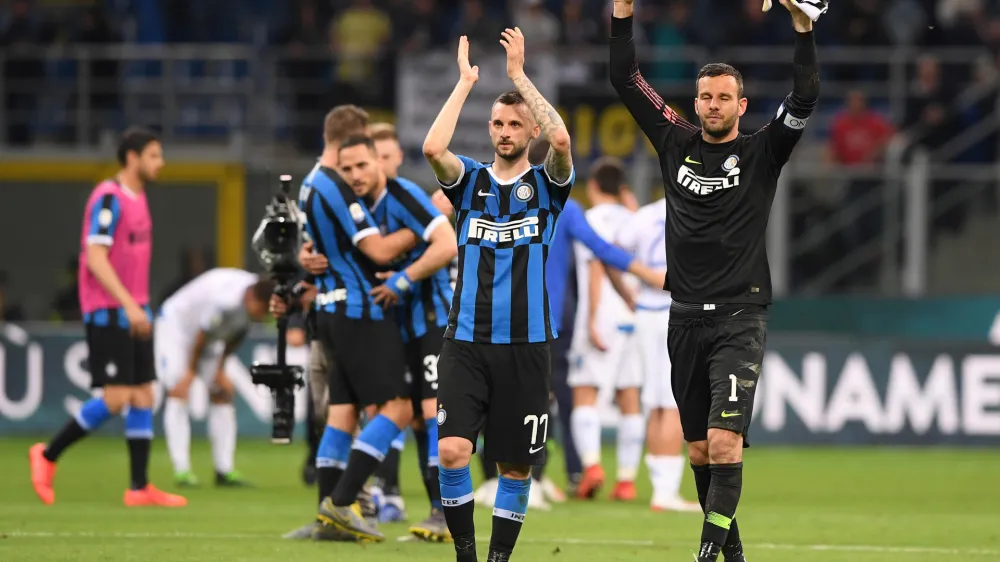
{"points": [[430, 465], [331, 458], [387, 474], [720, 504], [459, 510], [538, 471], [509, 509], [368, 451], [139, 434], [69, 434], [702, 481]]}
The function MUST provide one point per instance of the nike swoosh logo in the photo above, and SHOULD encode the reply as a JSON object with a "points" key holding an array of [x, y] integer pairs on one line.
{"points": [[690, 161], [486, 194], [731, 414], [533, 450]]}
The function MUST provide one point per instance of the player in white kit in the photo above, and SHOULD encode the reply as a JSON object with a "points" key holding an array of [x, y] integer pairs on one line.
{"points": [[644, 237], [598, 355], [198, 329]]}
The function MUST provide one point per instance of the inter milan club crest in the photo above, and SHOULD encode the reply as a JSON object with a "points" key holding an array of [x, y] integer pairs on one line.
{"points": [[523, 192], [730, 163]]}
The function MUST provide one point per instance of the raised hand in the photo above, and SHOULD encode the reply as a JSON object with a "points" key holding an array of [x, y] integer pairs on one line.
{"points": [[513, 43], [468, 72]]}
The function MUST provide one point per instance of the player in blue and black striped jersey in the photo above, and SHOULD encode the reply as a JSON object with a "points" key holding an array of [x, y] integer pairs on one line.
{"points": [[419, 294], [349, 323], [494, 367]]}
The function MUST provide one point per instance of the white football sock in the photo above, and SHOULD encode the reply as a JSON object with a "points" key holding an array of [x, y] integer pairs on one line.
{"points": [[177, 431], [222, 434], [666, 474], [586, 422], [631, 436]]}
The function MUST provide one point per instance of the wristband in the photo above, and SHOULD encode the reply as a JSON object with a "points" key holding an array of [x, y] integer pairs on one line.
{"points": [[400, 283]]}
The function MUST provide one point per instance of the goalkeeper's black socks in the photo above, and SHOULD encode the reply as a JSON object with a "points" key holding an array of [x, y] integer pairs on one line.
{"points": [[720, 504], [733, 547]]}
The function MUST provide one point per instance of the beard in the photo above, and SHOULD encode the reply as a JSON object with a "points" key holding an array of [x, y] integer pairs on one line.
{"points": [[719, 129], [516, 152]]}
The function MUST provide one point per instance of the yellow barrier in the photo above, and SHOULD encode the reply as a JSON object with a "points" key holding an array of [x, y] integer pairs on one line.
{"points": [[229, 181]]}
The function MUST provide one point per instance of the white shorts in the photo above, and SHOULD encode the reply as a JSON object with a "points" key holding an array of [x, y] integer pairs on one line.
{"points": [[172, 349], [650, 347], [616, 367]]}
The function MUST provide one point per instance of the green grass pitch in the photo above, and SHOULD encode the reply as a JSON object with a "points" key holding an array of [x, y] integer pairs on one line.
{"points": [[820, 505]]}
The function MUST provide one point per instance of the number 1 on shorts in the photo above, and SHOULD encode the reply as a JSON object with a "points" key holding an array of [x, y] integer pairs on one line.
{"points": [[732, 394]]}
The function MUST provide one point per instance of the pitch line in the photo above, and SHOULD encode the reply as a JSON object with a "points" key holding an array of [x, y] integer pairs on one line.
{"points": [[531, 540]]}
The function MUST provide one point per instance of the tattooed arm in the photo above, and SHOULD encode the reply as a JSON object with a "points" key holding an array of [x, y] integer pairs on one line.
{"points": [[559, 160]]}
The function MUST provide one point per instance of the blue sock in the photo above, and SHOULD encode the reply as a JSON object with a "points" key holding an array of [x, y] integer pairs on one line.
{"points": [[367, 453], [93, 414], [139, 435], [459, 509], [400, 441], [508, 513], [376, 438], [432, 441], [331, 459]]}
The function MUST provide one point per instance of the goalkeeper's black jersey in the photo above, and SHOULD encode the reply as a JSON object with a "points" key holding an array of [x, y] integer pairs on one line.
{"points": [[718, 196]]}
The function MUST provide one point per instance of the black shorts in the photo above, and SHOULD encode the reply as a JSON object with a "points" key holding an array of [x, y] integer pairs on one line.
{"points": [[501, 390], [422, 358], [715, 359], [366, 360], [118, 359]]}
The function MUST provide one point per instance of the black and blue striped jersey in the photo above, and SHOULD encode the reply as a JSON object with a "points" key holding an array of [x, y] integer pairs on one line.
{"points": [[504, 232], [337, 221], [403, 204]]}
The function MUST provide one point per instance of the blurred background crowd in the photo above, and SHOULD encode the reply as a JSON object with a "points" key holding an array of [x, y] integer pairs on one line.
{"points": [[899, 77]]}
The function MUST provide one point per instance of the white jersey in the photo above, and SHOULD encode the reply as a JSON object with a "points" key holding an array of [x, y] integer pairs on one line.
{"points": [[606, 220], [644, 236], [211, 302]]}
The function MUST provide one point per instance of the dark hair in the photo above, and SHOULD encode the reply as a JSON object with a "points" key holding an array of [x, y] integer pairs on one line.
{"points": [[512, 97], [343, 121], [358, 140], [609, 175], [263, 288], [714, 69], [134, 139]]}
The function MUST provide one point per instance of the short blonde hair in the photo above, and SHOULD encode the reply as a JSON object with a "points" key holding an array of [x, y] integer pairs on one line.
{"points": [[383, 131]]}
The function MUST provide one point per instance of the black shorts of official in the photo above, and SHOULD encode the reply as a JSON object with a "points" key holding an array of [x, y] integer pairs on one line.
{"points": [[422, 359], [115, 358], [501, 390], [367, 363], [715, 358]]}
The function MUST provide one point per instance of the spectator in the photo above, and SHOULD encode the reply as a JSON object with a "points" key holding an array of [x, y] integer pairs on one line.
{"points": [[359, 36], [859, 135]]}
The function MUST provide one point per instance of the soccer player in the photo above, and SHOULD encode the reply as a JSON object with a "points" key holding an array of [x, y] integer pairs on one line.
{"points": [[719, 185], [419, 294], [494, 365], [115, 253], [350, 249], [198, 328], [644, 237], [604, 326]]}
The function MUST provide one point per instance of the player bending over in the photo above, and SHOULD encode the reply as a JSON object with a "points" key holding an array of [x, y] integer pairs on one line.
{"points": [[115, 253], [719, 186], [199, 327], [418, 294], [494, 364]]}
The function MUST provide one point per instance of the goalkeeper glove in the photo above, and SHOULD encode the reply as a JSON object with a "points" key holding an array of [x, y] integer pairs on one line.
{"points": [[812, 8]]}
